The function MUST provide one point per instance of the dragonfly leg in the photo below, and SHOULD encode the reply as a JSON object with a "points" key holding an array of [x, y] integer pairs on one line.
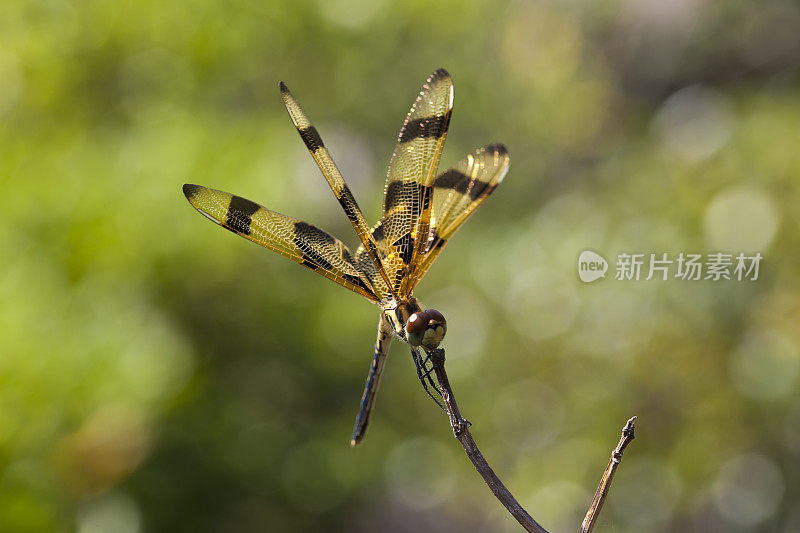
{"points": [[436, 359], [422, 378], [427, 375]]}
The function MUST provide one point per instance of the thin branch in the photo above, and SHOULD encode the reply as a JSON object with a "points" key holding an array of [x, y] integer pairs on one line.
{"points": [[461, 432], [608, 476]]}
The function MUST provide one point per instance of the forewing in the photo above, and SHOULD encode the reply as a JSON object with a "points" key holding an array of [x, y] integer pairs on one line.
{"points": [[299, 241], [334, 177], [407, 195], [457, 193]]}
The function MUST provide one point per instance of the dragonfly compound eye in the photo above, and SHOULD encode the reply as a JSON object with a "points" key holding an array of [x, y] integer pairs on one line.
{"points": [[426, 328]]}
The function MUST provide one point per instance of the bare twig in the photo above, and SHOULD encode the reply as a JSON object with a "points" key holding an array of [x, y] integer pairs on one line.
{"points": [[461, 432], [608, 476]]}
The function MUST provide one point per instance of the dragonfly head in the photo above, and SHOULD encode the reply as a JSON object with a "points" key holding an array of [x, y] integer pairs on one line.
{"points": [[426, 328]]}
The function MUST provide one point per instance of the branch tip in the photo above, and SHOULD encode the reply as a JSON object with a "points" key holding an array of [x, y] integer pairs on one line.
{"points": [[628, 434]]}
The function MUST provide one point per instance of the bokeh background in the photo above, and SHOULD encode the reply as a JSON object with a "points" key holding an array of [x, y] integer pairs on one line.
{"points": [[158, 374]]}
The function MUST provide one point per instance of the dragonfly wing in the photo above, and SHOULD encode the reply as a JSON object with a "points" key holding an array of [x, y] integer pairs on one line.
{"points": [[457, 193], [299, 241], [334, 177], [407, 194]]}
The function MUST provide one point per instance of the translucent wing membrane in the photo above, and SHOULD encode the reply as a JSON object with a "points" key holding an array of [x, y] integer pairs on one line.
{"points": [[299, 241], [457, 193], [460, 189], [315, 146], [407, 195]]}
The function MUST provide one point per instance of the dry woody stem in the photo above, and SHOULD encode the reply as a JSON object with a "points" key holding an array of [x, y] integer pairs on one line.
{"points": [[608, 475], [461, 432]]}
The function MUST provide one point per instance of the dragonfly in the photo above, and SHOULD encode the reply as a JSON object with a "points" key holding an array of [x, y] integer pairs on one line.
{"points": [[422, 209]]}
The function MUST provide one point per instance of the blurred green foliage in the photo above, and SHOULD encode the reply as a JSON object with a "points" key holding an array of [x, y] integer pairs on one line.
{"points": [[159, 375]]}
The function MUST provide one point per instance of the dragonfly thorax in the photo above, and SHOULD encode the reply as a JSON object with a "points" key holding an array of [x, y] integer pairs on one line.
{"points": [[417, 326]]}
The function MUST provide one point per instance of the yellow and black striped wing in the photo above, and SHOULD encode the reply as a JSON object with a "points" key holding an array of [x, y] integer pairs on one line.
{"points": [[407, 195], [334, 177], [299, 241], [457, 193]]}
